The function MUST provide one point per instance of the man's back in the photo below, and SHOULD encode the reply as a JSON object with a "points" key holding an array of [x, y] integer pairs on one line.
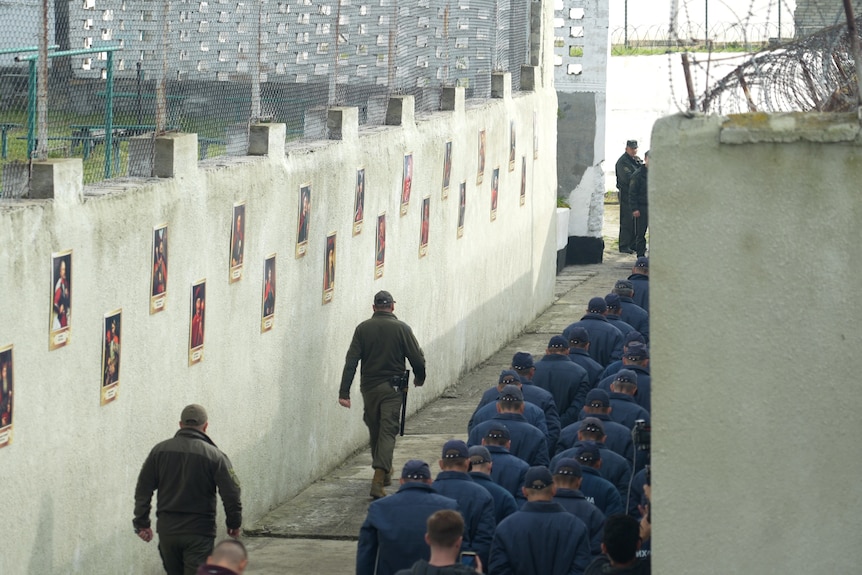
{"points": [[532, 413], [528, 442], [476, 506], [566, 381], [393, 534], [606, 341]]}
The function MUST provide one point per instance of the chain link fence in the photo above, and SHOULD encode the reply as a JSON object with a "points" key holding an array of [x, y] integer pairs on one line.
{"points": [[120, 72]]}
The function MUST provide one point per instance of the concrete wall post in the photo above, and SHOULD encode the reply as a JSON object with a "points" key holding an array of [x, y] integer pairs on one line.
{"points": [[176, 155], [400, 111], [59, 179], [266, 140]]}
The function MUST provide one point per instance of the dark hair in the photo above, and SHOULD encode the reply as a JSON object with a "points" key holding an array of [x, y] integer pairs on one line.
{"points": [[445, 527], [621, 538]]}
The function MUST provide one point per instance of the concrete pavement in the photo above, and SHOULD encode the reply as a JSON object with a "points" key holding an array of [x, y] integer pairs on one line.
{"points": [[316, 531]]}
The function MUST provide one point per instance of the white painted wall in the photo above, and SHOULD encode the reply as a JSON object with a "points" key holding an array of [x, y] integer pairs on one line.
{"points": [[68, 477], [754, 268]]}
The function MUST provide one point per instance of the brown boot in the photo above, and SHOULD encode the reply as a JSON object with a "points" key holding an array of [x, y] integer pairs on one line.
{"points": [[387, 479], [377, 484]]}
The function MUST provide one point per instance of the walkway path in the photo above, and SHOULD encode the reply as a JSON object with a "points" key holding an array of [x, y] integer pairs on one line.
{"points": [[316, 531]]}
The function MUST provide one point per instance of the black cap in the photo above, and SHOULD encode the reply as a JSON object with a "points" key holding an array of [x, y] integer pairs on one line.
{"points": [[568, 466], [631, 143], [383, 298], [416, 469], [538, 477], [498, 431]]}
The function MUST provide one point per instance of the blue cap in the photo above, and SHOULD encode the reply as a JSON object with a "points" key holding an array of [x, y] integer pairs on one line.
{"points": [[538, 477], [597, 305], [592, 424], [626, 376], [568, 466], [455, 449], [558, 342], [636, 351], [522, 360], [612, 300], [634, 336], [598, 396], [479, 454], [498, 431], [511, 393], [416, 469], [579, 335], [642, 262], [508, 376], [588, 452]]}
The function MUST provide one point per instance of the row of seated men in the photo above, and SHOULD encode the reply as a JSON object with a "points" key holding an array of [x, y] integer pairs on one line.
{"points": [[550, 456]]}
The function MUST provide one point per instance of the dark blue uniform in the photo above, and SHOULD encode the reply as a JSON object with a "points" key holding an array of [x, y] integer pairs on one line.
{"points": [[615, 468], [635, 316], [504, 502], [641, 295], [508, 471], [574, 502], [611, 369], [581, 357], [540, 539], [644, 392], [606, 341], [625, 410], [536, 396], [567, 381], [600, 492], [532, 413], [476, 506], [618, 437], [637, 495], [393, 534], [616, 321], [528, 443]]}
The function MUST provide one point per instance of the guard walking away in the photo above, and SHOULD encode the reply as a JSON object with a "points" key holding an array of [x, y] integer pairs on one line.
{"points": [[186, 470], [381, 343], [639, 205], [626, 166]]}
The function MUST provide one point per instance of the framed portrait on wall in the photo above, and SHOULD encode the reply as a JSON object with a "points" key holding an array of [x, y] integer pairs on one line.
{"points": [[447, 168], [7, 394], [359, 201], [424, 226], [523, 179], [406, 182], [462, 207], [303, 220], [512, 146], [329, 268], [480, 173], [61, 299], [237, 242], [267, 319], [381, 246], [159, 280], [111, 340], [495, 188], [197, 323]]}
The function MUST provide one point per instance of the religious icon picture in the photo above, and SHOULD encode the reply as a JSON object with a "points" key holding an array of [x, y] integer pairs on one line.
{"points": [[512, 146], [304, 215], [447, 169], [198, 321], [423, 229], [237, 242], [329, 269], [359, 201], [535, 136], [462, 207], [495, 188], [6, 395], [381, 246], [268, 306], [111, 355], [406, 183], [61, 299], [159, 281], [481, 171], [523, 179]]}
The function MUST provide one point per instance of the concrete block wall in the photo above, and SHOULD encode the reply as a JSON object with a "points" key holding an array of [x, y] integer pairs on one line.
{"points": [[754, 262]]}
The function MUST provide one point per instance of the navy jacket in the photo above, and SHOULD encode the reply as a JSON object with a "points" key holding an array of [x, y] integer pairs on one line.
{"points": [[606, 341], [528, 442], [600, 492], [540, 539], [641, 296], [508, 471], [476, 506], [618, 437], [574, 502], [611, 369], [582, 357], [615, 468], [644, 392], [504, 502], [625, 410], [635, 316], [616, 321], [393, 534], [567, 381], [637, 496], [536, 396], [532, 413]]}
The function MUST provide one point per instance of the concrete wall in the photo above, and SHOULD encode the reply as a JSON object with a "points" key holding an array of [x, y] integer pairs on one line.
{"points": [[68, 476], [754, 265]]}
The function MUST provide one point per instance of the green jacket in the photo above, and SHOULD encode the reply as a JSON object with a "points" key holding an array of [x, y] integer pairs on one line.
{"points": [[381, 343]]}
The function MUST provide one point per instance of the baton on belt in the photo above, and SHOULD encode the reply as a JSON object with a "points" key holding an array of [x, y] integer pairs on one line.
{"points": [[401, 383]]}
